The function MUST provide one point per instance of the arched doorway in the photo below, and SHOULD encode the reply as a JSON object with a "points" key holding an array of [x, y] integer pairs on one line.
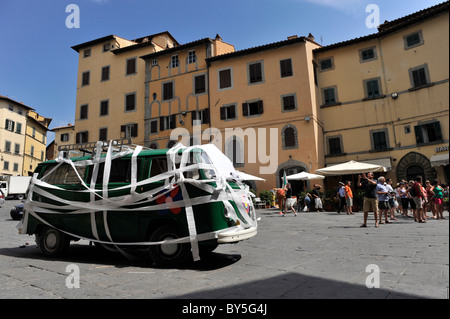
{"points": [[413, 164], [413, 171], [297, 186]]}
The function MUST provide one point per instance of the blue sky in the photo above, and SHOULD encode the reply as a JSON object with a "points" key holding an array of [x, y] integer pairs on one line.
{"points": [[39, 68]]}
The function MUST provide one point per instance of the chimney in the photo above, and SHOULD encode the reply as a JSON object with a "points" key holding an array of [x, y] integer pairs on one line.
{"points": [[292, 37], [310, 36]]}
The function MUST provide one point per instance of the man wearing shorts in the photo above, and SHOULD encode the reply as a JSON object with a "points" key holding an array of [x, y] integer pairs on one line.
{"points": [[289, 200], [370, 201], [383, 199]]}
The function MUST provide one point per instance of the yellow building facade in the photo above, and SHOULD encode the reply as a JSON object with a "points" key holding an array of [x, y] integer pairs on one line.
{"points": [[384, 98], [13, 119], [177, 92], [283, 107], [110, 86], [23, 137], [64, 135], [263, 104], [35, 141]]}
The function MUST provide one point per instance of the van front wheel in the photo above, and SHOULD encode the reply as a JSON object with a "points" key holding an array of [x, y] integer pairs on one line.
{"points": [[52, 242], [171, 254]]}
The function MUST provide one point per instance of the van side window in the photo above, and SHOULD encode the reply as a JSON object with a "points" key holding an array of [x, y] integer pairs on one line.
{"points": [[63, 175], [120, 171], [158, 166]]}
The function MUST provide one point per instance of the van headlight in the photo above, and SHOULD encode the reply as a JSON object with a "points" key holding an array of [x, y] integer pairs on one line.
{"points": [[226, 212]]}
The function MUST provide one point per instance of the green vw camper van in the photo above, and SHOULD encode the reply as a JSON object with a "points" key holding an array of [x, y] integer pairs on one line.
{"points": [[176, 203]]}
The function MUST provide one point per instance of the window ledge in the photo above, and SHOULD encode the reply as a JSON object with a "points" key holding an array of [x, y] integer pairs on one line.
{"points": [[330, 105], [381, 150], [431, 143], [374, 98], [420, 87], [336, 155]]}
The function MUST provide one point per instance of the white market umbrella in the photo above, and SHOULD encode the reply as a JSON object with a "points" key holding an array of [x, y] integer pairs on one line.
{"points": [[304, 176], [351, 167], [248, 177]]}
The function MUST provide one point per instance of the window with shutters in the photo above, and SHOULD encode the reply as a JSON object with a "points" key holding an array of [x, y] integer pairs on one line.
{"points": [[334, 146], [200, 84], [202, 116], [131, 66], [9, 125], [286, 68], [326, 64], [82, 137], [289, 135], [86, 53], [7, 146], [104, 108], [228, 112], [428, 133], [154, 126], [19, 128], [252, 108], [366, 55], [234, 150], [174, 61], [129, 130], [225, 79], [372, 88], [85, 78], [105, 73], [192, 57], [84, 112], [103, 134], [413, 40], [329, 96], [130, 102], [288, 102], [64, 137], [379, 140], [419, 77], [167, 122], [255, 72], [168, 92]]}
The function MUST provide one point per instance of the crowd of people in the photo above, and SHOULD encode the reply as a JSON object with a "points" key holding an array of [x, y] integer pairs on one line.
{"points": [[408, 199], [381, 198]]}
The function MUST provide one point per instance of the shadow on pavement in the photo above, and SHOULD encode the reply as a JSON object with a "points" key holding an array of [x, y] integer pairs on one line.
{"points": [[88, 254], [297, 286]]}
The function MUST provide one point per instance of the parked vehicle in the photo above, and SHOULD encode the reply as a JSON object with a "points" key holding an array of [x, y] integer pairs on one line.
{"points": [[15, 186], [2, 198], [174, 202], [17, 212]]}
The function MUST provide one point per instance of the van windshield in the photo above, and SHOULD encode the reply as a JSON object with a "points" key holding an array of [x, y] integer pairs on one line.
{"points": [[63, 175], [197, 156]]}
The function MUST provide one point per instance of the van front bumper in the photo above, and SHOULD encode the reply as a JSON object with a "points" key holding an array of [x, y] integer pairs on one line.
{"points": [[235, 235]]}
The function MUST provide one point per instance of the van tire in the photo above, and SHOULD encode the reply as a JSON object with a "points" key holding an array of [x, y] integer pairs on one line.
{"points": [[169, 255], [52, 242]]}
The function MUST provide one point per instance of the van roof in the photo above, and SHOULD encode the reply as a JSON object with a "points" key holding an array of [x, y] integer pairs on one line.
{"points": [[144, 152], [158, 152]]}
